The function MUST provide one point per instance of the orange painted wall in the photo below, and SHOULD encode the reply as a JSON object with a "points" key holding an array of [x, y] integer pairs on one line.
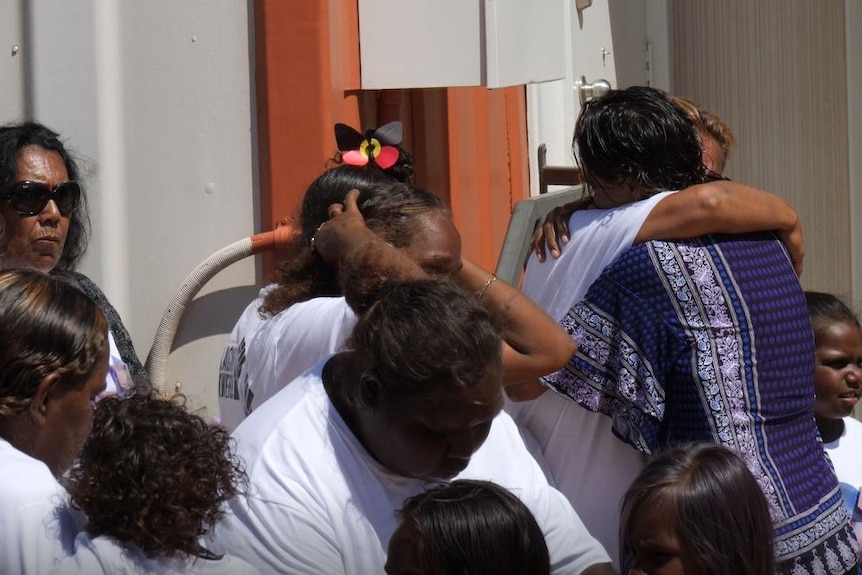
{"points": [[488, 169], [470, 144], [306, 60]]}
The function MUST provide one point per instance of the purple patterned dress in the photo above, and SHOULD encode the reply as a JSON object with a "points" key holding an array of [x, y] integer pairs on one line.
{"points": [[710, 340]]}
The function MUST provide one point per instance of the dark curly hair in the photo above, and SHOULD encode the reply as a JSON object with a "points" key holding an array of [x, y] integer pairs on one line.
{"points": [[154, 475], [420, 334], [390, 210], [476, 527], [639, 138], [16, 137]]}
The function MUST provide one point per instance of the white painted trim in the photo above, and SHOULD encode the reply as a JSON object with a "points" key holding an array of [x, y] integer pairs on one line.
{"points": [[658, 36], [113, 236]]}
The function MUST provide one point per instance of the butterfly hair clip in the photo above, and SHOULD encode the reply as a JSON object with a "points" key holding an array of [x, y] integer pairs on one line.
{"points": [[375, 147]]}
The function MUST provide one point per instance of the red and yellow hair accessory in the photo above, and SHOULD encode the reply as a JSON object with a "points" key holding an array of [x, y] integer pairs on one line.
{"points": [[376, 147]]}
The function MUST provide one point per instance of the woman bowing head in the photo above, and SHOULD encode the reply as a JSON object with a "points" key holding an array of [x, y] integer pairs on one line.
{"points": [[53, 361]]}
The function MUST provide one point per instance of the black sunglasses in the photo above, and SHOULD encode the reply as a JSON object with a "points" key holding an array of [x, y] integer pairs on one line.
{"points": [[30, 198]]}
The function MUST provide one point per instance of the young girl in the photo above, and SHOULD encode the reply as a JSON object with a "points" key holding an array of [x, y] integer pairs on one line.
{"points": [[151, 479], [467, 526], [838, 385], [695, 510]]}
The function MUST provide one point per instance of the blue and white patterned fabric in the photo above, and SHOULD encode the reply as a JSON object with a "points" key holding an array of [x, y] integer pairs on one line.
{"points": [[710, 340]]}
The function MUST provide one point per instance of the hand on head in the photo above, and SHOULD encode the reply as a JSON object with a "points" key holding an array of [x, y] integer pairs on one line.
{"points": [[344, 230]]}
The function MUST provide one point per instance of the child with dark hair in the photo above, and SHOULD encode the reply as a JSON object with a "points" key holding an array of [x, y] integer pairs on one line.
{"points": [[151, 479], [696, 510], [468, 526], [837, 386]]}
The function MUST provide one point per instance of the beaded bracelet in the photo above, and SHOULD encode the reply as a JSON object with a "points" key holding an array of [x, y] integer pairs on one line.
{"points": [[485, 287]]}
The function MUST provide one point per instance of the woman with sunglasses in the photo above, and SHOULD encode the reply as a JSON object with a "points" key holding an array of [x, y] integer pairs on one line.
{"points": [[44, 225]]}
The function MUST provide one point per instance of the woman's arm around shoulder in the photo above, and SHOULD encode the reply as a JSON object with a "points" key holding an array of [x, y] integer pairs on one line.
{"points": [[724, 207]]}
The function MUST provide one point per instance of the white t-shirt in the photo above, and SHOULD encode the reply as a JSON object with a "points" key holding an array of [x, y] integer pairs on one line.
{"points": [[588, 464], [105, 555], [37, 529], [846, 455], [319, 503], [596, 238], [232, 397], [118, 380], [290, 343]]}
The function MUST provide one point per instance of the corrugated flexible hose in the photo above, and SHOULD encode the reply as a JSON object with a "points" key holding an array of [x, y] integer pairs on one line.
{"points": [[204, 272]]}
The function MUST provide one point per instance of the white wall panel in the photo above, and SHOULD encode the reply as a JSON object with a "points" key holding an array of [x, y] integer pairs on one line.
{"points": [[775, 71], [158, 95], [853, 23], [13, 58], [606, 41], [494, 43]]}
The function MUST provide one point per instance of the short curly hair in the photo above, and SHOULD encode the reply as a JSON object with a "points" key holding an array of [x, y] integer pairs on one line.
{"points": [[155, 475]]}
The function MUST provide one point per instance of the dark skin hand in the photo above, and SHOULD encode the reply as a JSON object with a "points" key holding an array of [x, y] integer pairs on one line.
{"points": [[363, 259], [715, 207], [555, 230]]}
